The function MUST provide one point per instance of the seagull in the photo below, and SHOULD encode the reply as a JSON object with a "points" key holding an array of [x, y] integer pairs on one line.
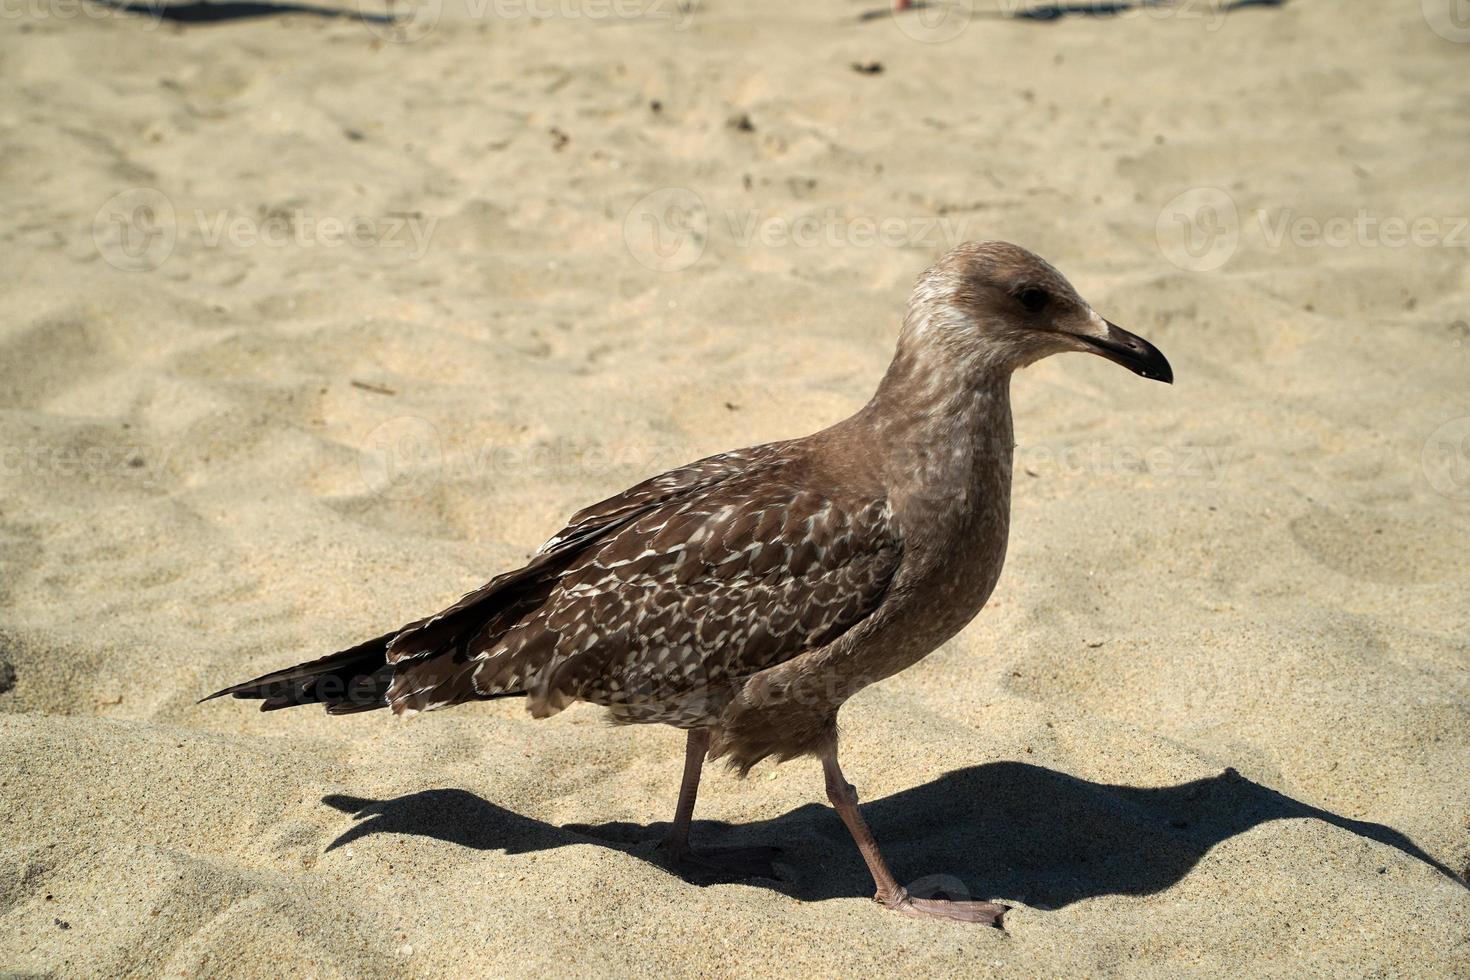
{"points": [[745, 597]]}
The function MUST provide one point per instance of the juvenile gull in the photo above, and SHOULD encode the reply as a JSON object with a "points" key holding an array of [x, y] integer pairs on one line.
{"points": [[745, 597]]}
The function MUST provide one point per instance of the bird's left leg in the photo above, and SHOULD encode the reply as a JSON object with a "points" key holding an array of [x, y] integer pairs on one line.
{"points": [[736, 862], [890, 893]]}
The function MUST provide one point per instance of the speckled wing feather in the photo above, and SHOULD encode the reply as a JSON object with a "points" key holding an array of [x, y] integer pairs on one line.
{"points": [[505, 598], [658, 602]]}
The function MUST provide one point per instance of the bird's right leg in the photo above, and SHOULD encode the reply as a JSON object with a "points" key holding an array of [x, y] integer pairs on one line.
{"points": [[676, 845], [890, 893], [723, 863]]}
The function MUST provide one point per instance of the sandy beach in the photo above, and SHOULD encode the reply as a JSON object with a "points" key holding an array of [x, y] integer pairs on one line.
{"points": [[311, 324]]}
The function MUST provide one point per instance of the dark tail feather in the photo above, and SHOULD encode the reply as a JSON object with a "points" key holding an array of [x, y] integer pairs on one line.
{"points": [[353, 680]]}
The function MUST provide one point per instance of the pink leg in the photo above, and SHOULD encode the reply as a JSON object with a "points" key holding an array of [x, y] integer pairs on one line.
{"points": [[677, 843], [890, 893], [721, 863]]}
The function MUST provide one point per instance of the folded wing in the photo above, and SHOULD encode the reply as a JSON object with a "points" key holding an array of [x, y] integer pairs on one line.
{"points": [[654, 603]]}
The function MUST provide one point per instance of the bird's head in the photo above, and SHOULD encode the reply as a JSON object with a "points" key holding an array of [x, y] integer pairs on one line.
{"points": [[989, 307]]}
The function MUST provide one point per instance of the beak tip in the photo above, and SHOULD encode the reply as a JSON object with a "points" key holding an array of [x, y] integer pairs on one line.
{"points": [[1134, 353]]}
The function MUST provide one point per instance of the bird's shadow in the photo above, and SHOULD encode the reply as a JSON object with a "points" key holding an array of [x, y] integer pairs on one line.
{"points": [[1004, 830], [191, 12], [1043, 12]]}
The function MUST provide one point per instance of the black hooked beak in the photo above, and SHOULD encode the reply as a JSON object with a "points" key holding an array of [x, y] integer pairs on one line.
{"points": [[1131, 351]]}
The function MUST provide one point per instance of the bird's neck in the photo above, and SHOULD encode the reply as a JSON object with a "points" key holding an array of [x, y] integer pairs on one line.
{"points": [[946, 439]]}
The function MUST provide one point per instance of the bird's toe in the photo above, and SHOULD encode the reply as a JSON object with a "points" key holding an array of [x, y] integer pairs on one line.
{"points": [[986, 913]]}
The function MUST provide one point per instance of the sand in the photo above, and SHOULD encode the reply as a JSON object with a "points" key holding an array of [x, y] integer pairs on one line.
{"points": [[373, 314]]}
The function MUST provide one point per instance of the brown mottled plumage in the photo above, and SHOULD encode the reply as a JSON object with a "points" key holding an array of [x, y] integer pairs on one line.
{"points": [[745, 597]]}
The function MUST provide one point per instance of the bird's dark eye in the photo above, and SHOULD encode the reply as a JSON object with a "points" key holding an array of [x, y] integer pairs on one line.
{"points": [[1033, 298]]}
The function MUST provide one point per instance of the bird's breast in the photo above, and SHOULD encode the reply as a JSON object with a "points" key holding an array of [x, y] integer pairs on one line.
{"points": [[954, 550]]}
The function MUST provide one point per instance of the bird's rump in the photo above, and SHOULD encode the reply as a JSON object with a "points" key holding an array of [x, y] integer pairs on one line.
{"points": [[658, 613]]}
